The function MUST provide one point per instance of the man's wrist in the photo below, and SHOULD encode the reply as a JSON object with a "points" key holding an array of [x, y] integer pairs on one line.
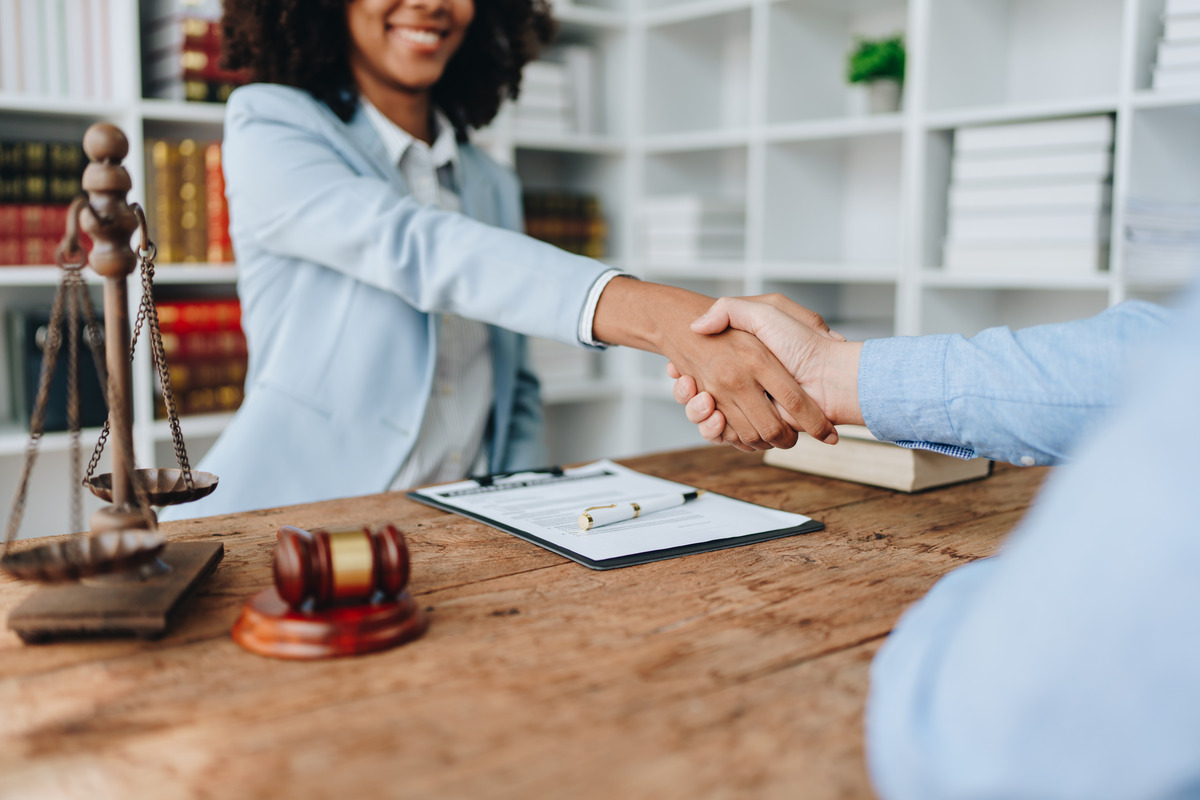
{"points": [[840, 383]]}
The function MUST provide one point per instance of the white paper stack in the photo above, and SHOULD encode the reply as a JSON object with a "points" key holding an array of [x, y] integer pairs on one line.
{"points": [[1178, 63], [1031, 197], [1162, 240], [558, 94], [692, 227]]}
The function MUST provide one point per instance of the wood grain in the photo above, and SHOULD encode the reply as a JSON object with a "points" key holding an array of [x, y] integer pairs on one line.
{"points": [[730, 674]]}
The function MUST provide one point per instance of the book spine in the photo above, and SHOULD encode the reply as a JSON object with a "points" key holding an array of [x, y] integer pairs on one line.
{"points": [[192, 203], [1080, 131], [31, 14], [11, 56], [220, 248], [100, 49], [164, 207]]}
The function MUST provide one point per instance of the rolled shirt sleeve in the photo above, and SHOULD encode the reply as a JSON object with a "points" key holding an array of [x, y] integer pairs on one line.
{"points": [[1022, 396]]}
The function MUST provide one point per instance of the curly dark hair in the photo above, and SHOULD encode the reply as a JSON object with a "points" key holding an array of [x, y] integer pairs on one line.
{"points": [[306, 44]]}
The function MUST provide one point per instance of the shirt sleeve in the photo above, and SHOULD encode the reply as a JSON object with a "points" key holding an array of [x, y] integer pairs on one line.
{"points": [[1066, 666], [1020, 396]]}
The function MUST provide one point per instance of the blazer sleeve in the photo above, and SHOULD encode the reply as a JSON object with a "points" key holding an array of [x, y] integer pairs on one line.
{"points": [[294, 192]]}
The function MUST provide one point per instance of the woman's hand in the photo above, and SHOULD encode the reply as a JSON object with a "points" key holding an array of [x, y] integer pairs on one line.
{"points": [[825, 365], [746, 383]]}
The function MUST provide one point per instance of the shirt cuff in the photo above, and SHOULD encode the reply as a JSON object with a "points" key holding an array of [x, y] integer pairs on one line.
{"points": [[588, 318], [902, 393]]}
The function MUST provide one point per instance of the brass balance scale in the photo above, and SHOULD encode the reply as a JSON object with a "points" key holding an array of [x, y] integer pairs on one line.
{"points": [[122, 577]]}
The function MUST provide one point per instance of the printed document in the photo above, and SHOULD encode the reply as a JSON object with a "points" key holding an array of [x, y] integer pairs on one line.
{"points": [[544, 508]]}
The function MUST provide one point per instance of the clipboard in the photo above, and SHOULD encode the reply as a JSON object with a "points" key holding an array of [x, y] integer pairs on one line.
{"points": [[542, 507]]}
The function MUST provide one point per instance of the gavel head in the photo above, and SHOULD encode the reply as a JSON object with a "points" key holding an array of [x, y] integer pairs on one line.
{"points": [[340, 566]]}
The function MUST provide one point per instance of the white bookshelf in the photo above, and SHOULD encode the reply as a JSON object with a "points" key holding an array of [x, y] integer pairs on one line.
{"points": [[845, 211]]}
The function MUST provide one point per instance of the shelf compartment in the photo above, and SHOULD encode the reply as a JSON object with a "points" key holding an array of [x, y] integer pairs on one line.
{"points": [[602, 176], [808, 50], [698, 74], [833, 200], [714, 180], [1014, 52], [1164, 168]]}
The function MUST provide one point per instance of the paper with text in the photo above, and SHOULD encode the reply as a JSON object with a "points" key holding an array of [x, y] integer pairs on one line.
{"points": [[548, 506]]}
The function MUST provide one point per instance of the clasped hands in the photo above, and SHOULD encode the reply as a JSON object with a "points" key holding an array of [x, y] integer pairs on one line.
{"points": [[823, 364]]}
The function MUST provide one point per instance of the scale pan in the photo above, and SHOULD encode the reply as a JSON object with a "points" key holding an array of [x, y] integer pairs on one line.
{"points": [[85, 555], [164, 487]]}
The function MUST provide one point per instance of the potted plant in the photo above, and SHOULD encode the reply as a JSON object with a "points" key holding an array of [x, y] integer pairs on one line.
{"points": [[879, 63]]}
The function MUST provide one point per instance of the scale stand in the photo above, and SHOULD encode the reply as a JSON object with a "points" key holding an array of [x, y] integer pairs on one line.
{"points": [[122, 577]]}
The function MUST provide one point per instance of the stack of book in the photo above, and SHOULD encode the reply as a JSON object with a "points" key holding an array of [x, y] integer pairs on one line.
{"points": [[1031, 197], [558, 94], [692, 227], [206, 355], [27, 329], [1177, 65], [186, 207], [860, 457], [571, 221], [38, 180], [56, 49], [1162, 240], [181, 52]]}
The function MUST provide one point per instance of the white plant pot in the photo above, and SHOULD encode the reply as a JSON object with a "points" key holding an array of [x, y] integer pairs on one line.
{"points": [[883, 96]]}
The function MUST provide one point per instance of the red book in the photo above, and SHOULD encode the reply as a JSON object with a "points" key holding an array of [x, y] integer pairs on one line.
{"points": [[220, 248]]}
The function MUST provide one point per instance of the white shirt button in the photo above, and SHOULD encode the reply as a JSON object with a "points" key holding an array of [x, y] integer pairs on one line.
{"points": [[1028, 461]]}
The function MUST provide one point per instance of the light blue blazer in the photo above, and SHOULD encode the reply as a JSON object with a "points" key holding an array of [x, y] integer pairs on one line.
{"points": [[341, 275]]}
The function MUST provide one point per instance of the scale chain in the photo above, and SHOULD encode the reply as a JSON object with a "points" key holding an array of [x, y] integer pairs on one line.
{"points": [[37, 421]]}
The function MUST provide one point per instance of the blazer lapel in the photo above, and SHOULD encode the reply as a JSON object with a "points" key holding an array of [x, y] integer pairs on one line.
{"points": [[479, 192], [363, 135]]}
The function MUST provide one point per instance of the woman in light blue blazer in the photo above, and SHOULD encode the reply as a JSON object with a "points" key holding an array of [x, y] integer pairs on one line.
{"points": [[360, 296]]}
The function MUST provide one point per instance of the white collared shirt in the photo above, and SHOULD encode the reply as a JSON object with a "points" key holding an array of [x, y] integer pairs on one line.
{"points": [[450, 443]]}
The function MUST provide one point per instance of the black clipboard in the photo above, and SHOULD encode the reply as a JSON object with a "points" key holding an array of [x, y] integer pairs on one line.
{"points": [[556, 474]]}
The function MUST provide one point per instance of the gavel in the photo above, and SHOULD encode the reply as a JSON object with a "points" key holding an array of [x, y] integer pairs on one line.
{"points": [[340, 567]]}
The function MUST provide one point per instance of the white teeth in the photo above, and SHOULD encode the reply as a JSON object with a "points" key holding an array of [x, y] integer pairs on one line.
{"points": [[427, 38]]}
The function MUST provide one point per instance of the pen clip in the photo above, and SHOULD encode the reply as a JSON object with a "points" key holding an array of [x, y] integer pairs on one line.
{"points": [[593, 508]]}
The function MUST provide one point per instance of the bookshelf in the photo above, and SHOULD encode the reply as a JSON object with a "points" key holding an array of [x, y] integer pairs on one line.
{"points": [[845, 211]]}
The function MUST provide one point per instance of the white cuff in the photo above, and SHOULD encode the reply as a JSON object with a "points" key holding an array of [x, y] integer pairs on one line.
{"points": [[588, 318]]}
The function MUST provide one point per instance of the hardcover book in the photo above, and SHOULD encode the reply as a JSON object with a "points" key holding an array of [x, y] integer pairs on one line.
{"points": [[860, 457]]}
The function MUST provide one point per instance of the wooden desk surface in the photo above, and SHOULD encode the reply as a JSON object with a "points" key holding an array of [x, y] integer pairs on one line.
{"points": [[740, 673]]}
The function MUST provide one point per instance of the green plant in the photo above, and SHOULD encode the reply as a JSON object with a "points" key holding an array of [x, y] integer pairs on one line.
{"points": [[877, 59]]}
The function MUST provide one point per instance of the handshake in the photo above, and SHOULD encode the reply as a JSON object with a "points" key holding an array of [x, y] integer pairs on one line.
{"points": [[822, 365]]}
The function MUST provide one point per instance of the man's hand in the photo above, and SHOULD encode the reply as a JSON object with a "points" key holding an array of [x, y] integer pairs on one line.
{"points": [[825, 365], [740, 375]]}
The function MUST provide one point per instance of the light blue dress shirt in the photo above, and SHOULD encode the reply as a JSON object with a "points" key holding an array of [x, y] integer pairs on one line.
{"points": [[1069, 665]]}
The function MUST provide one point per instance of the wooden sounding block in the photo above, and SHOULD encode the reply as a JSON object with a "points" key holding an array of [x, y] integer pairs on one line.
{"points": [[336, 593]]}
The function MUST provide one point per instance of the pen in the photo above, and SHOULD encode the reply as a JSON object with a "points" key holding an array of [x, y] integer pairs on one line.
{"points": [[618, 512]]}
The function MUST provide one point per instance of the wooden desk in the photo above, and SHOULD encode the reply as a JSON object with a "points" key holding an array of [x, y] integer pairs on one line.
{"points": [[740, 673]]}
